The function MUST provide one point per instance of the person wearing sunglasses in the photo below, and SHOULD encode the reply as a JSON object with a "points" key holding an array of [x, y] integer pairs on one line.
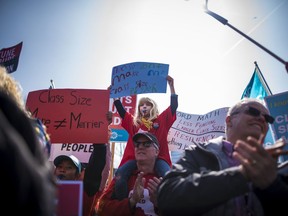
{"points": [[146, 118], [142, 183], [234, 175]]}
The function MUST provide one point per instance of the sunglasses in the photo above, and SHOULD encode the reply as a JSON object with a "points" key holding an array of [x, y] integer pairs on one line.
{"points": [[146, 144], [256, 113]]}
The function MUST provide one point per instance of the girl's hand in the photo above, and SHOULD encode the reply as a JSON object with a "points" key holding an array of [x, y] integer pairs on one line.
{"points": [[170, 81]]}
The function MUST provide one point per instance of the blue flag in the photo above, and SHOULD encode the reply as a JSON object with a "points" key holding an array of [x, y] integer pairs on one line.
{"points": [[257, 88]]}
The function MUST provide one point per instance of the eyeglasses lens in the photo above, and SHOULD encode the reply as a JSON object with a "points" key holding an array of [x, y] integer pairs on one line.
{"points": [[146, 144], [255, 112]]}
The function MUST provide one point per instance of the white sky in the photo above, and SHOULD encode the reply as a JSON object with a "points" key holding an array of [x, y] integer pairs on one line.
{"points": [[77, 43]]}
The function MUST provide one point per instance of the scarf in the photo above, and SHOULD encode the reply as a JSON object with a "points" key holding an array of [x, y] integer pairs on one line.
{"points": [[147, 123]]}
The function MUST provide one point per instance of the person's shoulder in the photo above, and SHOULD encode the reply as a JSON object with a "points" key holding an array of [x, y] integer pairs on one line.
{"points": [[42, 134], [215, 141], [204, 145], [283, 169]]}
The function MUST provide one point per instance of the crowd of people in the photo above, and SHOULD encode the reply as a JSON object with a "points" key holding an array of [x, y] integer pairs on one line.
{"points": [[94, 175], [229, 175]]}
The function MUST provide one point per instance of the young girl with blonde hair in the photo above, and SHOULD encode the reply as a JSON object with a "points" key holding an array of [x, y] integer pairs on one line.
{"points": [[149, 119]]}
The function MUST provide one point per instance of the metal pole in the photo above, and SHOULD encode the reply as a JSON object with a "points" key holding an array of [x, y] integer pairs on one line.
{"points": [[225, 22]]}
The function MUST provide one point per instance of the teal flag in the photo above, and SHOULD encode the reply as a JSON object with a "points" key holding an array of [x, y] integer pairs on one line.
{"points": [[256, 88]]}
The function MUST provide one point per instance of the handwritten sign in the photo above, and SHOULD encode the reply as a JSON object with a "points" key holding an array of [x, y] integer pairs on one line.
{"points": [[190, 128], [9, 57], [72, 115], [138, 78]]}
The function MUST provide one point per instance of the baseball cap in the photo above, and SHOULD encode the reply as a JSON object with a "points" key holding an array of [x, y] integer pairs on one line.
{"points": [[149, 136], [72, 158]]}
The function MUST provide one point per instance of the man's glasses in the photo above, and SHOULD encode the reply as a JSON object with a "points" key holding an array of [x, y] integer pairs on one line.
{"points": [[146, 144], [256, 113]]}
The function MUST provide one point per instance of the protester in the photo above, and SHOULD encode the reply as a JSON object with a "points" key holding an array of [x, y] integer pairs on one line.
{"points": [[92, 186], [22, 155], [232, 176], [68, 167], [12, 88], [142, 183], [27, 183], [146, 119]]}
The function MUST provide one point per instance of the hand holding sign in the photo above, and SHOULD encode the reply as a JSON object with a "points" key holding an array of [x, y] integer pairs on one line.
{"points": [[138, 78]]}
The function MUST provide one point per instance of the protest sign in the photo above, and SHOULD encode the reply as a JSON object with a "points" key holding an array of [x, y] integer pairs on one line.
{"points": [[119, 134], [9, 57], [192, 128], [69, 198], [80, 150], [278, 108], [138, 78], [72, 115]]}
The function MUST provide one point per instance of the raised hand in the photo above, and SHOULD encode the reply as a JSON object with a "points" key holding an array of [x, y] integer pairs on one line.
{"points": [[257, 164], [277, 148], [138, 190], [152, 188], [109, 116], [170, 81]]}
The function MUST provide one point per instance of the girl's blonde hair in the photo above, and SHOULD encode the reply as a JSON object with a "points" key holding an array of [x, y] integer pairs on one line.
{"points": [[12, 88], [154, 112]]}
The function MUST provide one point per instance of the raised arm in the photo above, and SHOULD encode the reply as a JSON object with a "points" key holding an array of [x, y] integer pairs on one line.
{"points": [[119, 107], [170, 81], [96, 164], [174, 96]]}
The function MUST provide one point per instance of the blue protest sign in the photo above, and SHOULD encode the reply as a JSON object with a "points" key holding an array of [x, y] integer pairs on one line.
{"points": [[278, 106], [138, 78]]}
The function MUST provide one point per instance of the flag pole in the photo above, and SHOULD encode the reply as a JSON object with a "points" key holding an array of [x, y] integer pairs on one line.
{"points": [[262, 79], [52, 86], [225, 22], [111, 174]]}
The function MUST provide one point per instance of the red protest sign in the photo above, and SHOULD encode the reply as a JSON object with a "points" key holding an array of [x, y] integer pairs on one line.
{"points": [[70, 198], [129, 104], [72, 115]]}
